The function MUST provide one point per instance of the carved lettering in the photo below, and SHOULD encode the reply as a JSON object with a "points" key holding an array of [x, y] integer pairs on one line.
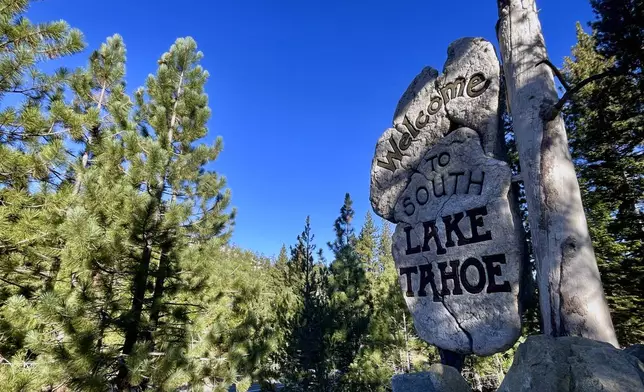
{"points": [[422, 195], [476, 220], [407, 271], [407, 203], [452, 275], [407, 127], [410, 250], [480, 283], [435, 105], [421, 120], [405, 141], [453, 89], [431, 232], [396, 154], [477, 85], [494, 271], [478, 182], [451, 226], [427, 276], [486, 273]]}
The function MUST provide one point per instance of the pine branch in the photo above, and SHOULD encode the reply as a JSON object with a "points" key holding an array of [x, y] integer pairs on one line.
{"points": [[14, 284]]}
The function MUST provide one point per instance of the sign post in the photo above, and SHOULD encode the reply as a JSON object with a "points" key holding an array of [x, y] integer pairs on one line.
{"points": [[570, 290]]}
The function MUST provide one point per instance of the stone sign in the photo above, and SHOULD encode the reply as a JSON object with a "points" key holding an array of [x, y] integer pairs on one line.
{"points": [[458, 246]]}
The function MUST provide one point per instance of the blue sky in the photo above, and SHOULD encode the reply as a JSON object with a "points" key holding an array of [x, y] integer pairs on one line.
{"points": [[300, 90]]}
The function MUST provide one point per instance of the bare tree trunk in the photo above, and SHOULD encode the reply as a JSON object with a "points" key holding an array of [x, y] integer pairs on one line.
{"points": [[570, 290], [406, 343]]}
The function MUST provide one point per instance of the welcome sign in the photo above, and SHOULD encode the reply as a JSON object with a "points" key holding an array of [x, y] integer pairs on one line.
{"points": [[437, 175]]}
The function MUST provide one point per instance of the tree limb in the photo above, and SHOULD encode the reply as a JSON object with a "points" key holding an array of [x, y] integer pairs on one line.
{"points": [[556, 71], [552, 112]]}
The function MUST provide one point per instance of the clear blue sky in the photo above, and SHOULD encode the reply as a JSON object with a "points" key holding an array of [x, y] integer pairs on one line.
{"points": [[302, 89]]}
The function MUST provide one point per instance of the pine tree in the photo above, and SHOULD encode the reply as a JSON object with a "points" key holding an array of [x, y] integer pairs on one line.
{"points": [[232, 340], [282, 259], [32, 155], [606, 129], [23, 45], [366, 247], [99, 95], [33, 187], [84, 303], [304, 360], [619, 34], [349, 295], [180, 214]]}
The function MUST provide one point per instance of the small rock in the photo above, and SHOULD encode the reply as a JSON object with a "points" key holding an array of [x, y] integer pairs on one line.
{"points": [[572, 364], [439, 378]]}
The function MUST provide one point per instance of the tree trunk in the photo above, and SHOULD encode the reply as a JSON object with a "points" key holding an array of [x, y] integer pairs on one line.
{"points": [[570, 290], [93, 136], [407, 359], [159, 287], [134, 318]]}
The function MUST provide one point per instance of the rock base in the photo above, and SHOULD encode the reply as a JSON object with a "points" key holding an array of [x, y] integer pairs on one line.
{"points": [[439, 378], [572, 364]]}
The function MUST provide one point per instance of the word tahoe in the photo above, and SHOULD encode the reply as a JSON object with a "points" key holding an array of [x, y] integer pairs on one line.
{"points": [[485, 273]]}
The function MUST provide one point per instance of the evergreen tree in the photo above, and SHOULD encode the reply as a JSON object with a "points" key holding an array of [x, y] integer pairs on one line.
{"points": [[366, 247], [234, 337], [619, 33], [305, 357], [32, 154], [349, 295], [606, 126], [33, 186], [83, 305], [180, 213], [23, 45], [282, 259]]}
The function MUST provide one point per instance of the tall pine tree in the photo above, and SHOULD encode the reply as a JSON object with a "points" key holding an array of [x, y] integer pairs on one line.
{"points": [[349, 295], [305, 363], [606, 126], [180, 212]]}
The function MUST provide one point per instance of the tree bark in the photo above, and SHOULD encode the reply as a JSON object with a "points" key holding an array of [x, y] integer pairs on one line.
{"points": [[134, 318], [407, 359], [570, 290], [159, 287]]}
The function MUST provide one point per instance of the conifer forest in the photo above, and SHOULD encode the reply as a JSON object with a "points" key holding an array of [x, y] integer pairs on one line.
{"points": [[117, 269]]}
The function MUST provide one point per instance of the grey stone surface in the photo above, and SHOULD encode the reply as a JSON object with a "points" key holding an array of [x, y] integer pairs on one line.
{"points": [[468, 57], [440, 163], [476, 311], [439, 378], [636, 350], [572, 364], [465, 95]]}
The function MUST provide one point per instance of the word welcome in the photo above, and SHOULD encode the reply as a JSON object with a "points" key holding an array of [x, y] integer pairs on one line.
{"points": [[475, 86], [486, 272]]}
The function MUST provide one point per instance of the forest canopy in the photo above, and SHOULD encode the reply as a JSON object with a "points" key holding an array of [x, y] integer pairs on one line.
{"points": [[116, 267]]}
